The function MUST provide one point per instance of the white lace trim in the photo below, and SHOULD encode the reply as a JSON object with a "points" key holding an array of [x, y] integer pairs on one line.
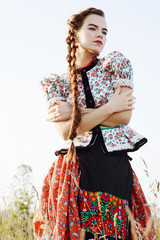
{"points": [[122, 82]]}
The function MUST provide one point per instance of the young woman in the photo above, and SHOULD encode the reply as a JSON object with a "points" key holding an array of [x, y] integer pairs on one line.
{"points": [[91, 185]]}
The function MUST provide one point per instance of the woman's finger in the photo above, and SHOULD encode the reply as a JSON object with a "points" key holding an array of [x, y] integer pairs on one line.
{"points": [[54, 118], [118, 89], [131, 103], [128, 92], [52, 109], [131, 98]]}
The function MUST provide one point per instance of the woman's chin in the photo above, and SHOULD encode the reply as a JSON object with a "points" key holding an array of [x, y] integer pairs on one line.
{"points": [[95, 51]]}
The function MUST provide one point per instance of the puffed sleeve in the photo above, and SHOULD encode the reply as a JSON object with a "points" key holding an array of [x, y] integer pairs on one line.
{"points": [[53, 87], [120, 69]]}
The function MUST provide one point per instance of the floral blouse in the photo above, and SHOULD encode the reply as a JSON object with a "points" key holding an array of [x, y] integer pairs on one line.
{"points": [[113, 70]]}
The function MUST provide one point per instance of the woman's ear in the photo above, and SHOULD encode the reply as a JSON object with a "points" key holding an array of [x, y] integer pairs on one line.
{"points": [[76, 41]]}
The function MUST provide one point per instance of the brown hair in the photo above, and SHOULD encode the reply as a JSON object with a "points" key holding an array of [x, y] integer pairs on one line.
{"points": [[75, 22]]}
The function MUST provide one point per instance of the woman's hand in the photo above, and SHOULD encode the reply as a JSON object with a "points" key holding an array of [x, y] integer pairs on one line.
{"points": [[121, 101], [61, 111]]}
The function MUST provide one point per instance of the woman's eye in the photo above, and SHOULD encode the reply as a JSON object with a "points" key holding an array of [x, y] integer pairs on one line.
{"points": [[105, 33], [92, 29]]}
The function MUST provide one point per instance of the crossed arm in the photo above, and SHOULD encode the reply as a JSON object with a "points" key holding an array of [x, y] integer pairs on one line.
{"points": [[116, 118], [116, 112]]}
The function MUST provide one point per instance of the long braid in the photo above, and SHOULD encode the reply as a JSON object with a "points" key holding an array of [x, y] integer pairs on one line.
{"points": [[75, 22], [76, 114]]}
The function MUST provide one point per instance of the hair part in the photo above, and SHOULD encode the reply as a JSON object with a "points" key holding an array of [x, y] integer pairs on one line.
{"points": [[75, 22]]}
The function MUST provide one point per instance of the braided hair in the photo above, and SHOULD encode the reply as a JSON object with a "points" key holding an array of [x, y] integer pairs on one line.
{"points": [[75, 22]]}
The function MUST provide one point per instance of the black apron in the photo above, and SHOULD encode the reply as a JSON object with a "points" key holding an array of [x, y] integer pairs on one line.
{"points": [[101, 170]]}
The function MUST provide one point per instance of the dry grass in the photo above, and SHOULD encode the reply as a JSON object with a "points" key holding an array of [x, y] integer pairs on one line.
{"points": [[154, 187], [16, 225], [16, 219], [157, 227]]}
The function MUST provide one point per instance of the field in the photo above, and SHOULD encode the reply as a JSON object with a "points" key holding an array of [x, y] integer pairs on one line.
{"points": [[16, 219]]}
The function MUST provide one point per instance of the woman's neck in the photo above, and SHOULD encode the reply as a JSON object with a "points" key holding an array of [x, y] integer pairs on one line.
{"points": [[83, 59]]}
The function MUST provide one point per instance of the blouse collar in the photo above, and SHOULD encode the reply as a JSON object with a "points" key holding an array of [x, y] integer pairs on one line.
{"points": [[89, 66]]}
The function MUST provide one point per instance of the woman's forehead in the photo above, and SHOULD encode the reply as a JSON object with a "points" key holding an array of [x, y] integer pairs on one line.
{"points": [[96, 20]]}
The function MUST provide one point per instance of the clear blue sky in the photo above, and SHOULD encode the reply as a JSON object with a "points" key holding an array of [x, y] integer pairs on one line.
{"points": [[32, 44]]}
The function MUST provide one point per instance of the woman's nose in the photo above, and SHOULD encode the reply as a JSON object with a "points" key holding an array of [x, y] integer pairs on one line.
{"points": [[99, 34]]}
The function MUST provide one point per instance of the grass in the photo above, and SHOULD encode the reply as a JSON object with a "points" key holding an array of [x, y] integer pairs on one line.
{"points": [[16, 219]]}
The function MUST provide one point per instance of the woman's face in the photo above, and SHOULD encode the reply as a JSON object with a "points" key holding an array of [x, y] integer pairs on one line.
{"points": [[92, 35]]}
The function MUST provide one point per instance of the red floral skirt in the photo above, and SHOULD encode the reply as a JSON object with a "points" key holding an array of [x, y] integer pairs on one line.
{"points": [[58, 212]]}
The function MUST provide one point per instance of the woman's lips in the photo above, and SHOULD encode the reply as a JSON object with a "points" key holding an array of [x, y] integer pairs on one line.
{"points": [[98, 42]]}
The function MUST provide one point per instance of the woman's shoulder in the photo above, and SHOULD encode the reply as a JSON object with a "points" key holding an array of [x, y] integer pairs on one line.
{"points": [[119, 67], [55, 87], [53, 78], [114, 57]]}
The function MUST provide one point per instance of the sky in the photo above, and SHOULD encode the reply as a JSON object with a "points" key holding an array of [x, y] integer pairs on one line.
{"points": [[32, 45]]}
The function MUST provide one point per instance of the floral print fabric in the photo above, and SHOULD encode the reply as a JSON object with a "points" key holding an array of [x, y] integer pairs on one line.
{"points": [[121, 138], [121, 69], [140, 209], [103, 213], [115, 69], [53, 86], [115, 138], [57, 215]]}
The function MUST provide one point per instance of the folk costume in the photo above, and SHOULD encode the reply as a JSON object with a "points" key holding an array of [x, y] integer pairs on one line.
{"points": [[93, 192]]}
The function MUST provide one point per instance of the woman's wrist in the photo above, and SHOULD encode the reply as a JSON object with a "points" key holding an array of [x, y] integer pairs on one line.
{"points": [[108, 109]]}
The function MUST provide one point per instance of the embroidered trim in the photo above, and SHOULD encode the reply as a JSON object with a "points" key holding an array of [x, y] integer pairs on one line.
{"points": [[103, 213], [105, 128]]}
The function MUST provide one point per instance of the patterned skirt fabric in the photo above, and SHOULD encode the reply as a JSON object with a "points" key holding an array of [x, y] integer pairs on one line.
{"points": [[57, 216], [104, 214]]}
